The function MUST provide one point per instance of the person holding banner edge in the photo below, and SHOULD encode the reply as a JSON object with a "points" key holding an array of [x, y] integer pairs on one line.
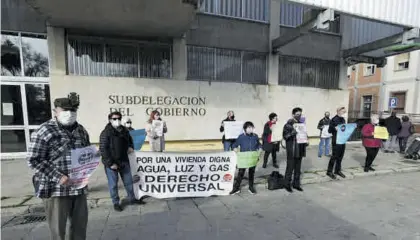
{"points": [[295, 151], [270, 147], [337, 149], [247, 142], [371, 144], [50, 155], [115, 144], [227, 143]]}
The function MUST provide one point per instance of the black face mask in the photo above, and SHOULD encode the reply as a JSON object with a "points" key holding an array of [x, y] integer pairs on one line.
{"points": [[297, 117], [232, 117]]}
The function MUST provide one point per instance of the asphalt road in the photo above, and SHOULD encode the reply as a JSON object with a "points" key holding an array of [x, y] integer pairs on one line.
{"points": [[386, 207]]}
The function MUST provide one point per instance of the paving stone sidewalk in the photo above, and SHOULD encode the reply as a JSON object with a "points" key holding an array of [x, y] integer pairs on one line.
{"points": [[17, 190]]}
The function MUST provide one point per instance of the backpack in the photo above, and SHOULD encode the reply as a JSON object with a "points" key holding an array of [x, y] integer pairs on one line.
{"points": [[275, 181]]}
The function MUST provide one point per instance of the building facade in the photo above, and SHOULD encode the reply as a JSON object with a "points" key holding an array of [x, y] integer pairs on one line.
{"points": [[193, 61]]}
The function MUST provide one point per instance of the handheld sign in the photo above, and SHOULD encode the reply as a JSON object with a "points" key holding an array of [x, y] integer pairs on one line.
{"points": [[180, 174], [84, 162], [247, 159], [138, 138], [276, 133], [233, 129], [302, 135], [344, 132], [380, 133]]}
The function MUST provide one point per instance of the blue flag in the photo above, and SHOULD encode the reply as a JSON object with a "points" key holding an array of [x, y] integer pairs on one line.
{"points": [[138, 138], [344, 132]]}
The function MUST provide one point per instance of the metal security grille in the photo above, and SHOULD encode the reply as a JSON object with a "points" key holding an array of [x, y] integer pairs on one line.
{"points": [[257, 10], [226, 65], [308, 72], [118, 59]]}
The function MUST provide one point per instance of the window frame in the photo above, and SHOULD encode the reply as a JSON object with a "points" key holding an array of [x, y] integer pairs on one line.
{"points": [[367, 72]]}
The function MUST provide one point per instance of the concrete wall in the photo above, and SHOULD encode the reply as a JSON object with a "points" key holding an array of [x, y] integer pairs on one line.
{"points": [[17, 15], [250, 102], [222, 32]]}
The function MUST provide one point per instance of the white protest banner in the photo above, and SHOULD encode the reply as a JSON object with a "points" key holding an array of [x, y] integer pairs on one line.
{"points": [[157, 127], [302, 135], [233, 129], [177, 174], [84, 162], [276, 133], [325, 133]]}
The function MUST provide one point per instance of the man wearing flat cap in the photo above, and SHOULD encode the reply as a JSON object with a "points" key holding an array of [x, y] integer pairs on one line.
{"points": [[50, 156]]}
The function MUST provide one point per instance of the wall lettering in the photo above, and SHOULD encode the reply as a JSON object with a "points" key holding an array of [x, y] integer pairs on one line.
{"points": [[166, 105]]}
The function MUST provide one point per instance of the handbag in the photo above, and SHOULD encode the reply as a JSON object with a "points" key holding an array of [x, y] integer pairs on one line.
{"points": [[275, 181]]}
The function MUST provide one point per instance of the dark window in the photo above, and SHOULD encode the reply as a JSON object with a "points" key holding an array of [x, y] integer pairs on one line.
{"points": [[13, 141], [308, 72], [38, 103], [11, 105]]}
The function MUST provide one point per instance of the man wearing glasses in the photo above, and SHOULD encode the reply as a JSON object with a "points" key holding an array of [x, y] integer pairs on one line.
{"points": [[115, 144]]}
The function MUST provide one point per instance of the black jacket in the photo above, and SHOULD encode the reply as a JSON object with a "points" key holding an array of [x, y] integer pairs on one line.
{"points": [[324, 121], [222, 129], [293, 149], [393, 125], [269, 146], [335, 121], [114, 144]]}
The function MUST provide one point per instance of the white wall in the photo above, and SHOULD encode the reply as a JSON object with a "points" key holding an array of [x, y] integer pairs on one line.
{"points": [[404, 81], [250, 102]]}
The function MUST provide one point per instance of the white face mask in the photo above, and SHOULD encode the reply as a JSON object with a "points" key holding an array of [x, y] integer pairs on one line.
{"points": [[67, 118], [116, 123], [128, 125], [249, 130]]}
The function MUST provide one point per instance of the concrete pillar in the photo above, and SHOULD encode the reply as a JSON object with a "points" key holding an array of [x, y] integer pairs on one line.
{"points": [[57, 50], [179, 59], [273, 59]]}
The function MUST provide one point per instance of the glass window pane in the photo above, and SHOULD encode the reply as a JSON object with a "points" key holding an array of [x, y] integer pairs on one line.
{"points": [[121, 61], [38, 102], [155, 61], [35, 55], [11, 105], [13, 141], [10, 55], [200, 63], [85, 58], [228, 65]]}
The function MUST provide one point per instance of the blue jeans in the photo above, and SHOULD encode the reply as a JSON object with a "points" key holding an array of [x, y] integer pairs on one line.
{"points": [[125, 173], [324, 142], [227, 146]]}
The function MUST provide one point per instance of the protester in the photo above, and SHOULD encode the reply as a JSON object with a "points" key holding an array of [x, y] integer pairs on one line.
{"points": [[115, 144], [324, 140], [295, 152], [247, 141], [270, 147], [227, 143], [128, 124], [49, 155], [337, 149], [156, 138], [393, 125], [371, 144], [407, 129]]}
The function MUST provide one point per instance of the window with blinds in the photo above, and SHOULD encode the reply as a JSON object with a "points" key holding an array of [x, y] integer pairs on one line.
{"points": [[308, 72], [90, 57], [226, 65], [401, 62], [257, 10]]}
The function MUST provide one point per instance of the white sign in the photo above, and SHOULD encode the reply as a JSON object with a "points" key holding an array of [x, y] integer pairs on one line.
{"points": [[302, 135], [84, 162], [325, 133], [7, 109], [276, 133], [157, 127], [177, 174], [233, 129]]}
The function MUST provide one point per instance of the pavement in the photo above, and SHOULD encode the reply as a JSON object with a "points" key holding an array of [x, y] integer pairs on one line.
{"points": [[383, 207], [17, 190]]}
